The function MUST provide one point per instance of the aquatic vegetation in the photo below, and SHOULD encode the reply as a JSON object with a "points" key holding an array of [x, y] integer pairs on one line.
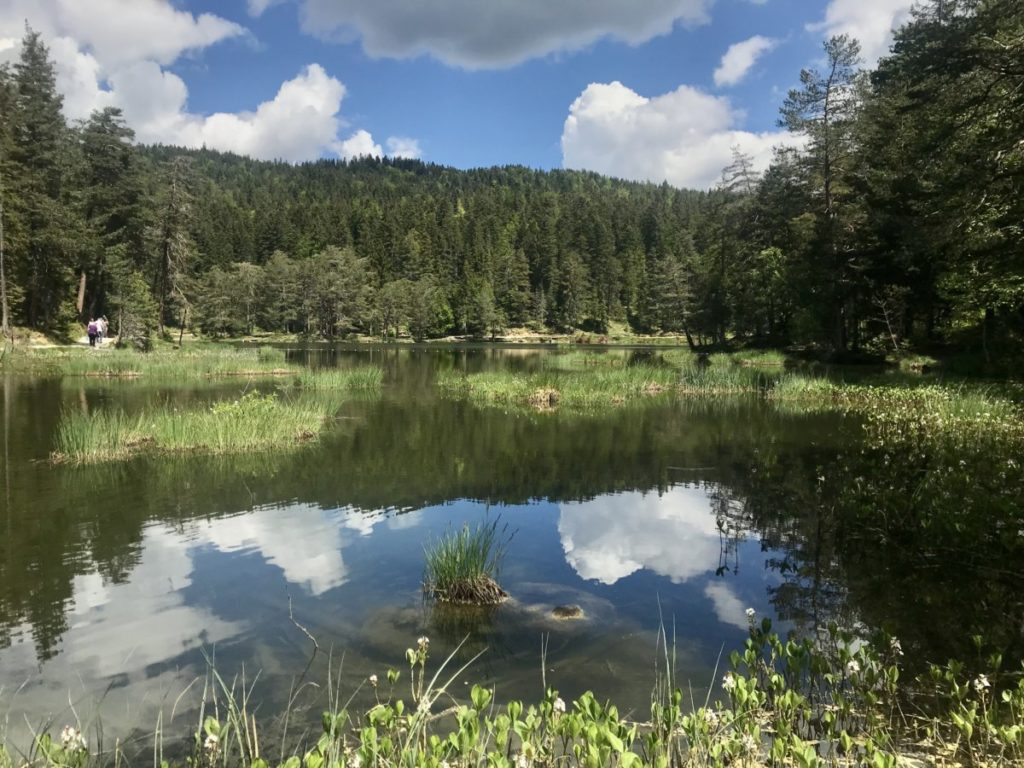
{"points": [[576, 384], [568, 389], [253, 421], [822, 702], [462, 565], [959, 415], [193, 363], [356, 379]]}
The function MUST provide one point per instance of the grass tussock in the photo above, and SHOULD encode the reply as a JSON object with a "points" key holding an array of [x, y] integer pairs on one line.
{"points": [[462, 565], [250, 423]]}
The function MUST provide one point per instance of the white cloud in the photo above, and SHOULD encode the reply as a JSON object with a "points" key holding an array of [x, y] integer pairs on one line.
{"points": [[684, 137], [113, 53], [117, 32], [496, 33], [257, 7], [740, 58], [674, 534], [402, 146], [870, 21], [359, 144]]}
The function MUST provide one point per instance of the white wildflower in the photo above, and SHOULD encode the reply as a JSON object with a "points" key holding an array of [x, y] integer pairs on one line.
{"points": [[711, 717], [729, 682], [749, 744], [423, 642], [558, 706], [71, 738], [373, 680], [981, 683], [356, 761], [895, 647], [751, 613], [212, 743], [522, 761], [852, 667]]}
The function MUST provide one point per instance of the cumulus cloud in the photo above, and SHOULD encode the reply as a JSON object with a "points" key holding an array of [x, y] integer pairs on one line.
{"points": [[740, 58], [684, 137], [117, 32], [497, 33], [403, 146], [359, 144], [114, 53], [870, 21]]}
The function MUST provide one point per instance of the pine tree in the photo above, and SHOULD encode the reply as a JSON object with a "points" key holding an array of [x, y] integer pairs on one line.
{"points": [[825, 110], [175, 246], [39, 158], [112, 202]]}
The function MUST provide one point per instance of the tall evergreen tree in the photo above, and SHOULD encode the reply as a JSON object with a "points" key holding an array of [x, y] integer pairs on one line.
{"points": [[40, 157], [825, 109]]}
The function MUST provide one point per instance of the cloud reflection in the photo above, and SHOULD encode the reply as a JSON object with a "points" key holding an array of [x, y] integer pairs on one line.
{"points": [[673, 534]]}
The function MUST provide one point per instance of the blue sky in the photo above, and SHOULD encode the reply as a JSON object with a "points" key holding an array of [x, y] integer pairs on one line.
{"points": [[626, 87]]}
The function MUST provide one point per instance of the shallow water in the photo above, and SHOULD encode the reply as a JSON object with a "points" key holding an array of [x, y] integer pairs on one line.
{"points": [[120, 583]]}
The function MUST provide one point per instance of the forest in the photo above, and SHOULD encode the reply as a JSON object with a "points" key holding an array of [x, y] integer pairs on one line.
{"points": [[897, 226]]}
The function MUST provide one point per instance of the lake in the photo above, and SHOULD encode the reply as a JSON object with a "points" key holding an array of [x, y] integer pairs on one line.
{"points": [[121, 583]]}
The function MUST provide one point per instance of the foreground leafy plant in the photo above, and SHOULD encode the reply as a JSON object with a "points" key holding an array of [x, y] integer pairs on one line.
{"points": [[832, 700]]}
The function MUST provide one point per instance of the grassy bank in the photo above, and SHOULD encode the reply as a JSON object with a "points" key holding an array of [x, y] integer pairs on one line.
{"points": [[252, 422], [205, 361], [827, 702]]}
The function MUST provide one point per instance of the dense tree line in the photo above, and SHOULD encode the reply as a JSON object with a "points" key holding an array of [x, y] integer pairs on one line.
{"points": [[900, 220]]}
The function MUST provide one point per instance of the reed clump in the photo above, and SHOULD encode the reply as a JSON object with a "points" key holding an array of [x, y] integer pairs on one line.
{"points": [[254, 421], [461, 566], [365, 379]]}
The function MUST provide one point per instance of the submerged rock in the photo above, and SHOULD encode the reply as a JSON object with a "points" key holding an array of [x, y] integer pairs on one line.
{"points": [[567, 612]]}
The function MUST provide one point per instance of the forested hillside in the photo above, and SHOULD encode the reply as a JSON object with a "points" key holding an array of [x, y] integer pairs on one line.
{"points": [[900, 222]]}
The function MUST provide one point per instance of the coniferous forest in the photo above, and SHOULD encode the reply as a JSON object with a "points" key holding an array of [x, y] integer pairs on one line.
{"points": [[899, 224]]}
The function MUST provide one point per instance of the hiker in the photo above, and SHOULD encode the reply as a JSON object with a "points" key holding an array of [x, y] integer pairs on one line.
{"points": [[101, 330], [93, 331]]}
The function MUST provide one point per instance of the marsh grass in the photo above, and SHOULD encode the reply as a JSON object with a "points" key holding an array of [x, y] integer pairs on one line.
{"points": [[577, 385], [462, 566], [365, 379], [573, 390], [201, 362], [252, 422]]}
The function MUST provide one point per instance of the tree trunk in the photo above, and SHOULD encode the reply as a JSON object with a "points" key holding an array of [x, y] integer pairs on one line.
{"points": [[5, 320]]}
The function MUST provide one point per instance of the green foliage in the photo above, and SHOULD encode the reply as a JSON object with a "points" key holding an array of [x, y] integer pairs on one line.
{"points": [[827, 702], [135, 312]]}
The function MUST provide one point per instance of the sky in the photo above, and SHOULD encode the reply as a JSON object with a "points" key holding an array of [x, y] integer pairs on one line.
{"points": [[649, 90]]}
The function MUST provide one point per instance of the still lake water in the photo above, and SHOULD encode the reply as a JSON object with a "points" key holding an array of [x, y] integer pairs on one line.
{"points": [[119, 582]]}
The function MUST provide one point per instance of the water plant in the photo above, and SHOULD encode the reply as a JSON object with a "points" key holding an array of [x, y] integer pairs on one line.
{"points": [[253, 421], [461, 566]]}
